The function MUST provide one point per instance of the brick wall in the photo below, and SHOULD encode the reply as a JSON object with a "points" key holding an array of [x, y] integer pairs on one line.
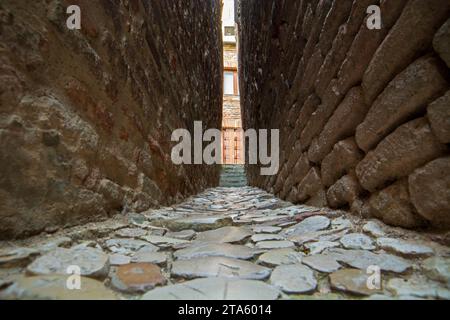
{"points": [[86, 116], [364, 115]]}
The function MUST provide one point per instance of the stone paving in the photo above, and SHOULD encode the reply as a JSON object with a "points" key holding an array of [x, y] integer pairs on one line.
{"points": [[228, 243]]}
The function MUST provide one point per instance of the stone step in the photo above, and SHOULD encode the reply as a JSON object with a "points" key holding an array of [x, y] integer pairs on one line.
{"points": [[233, 170], [233, 180], [233, 176]]}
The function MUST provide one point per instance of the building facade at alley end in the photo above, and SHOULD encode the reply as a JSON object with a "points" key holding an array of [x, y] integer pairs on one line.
{"points": [[232, 133]]}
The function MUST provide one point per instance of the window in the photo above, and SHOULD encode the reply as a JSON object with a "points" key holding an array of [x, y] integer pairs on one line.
{"points": [[230, 31], [228, 86]]}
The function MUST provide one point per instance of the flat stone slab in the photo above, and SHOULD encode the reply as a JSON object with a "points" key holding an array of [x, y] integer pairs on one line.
{"points": [[219, 267], [357, 241], [352, 281], [266, 229], [164, 241], [98, 229], [320, 246], [259, 219], [196, 223], [215, 207], [311, 224], [437, 268], [294, 278], [137, 277], [374, 229], [340, 224], [324, 235], [55, 288], [280, 257], [322, 263], [201, 250], [284, 224], [362, 259], [128, 246], [269, 245], [405, 248], [88, 244], [182, 235], [267, 237], [119, 259], [271, 218], [136, 218], [131, 233], [159, 258], [224, 235], [53, 243], [418, 287], [156, 231], [271, 204], [215, 289], [323, 244], [384, 297], [17, 257], [92, 262]]}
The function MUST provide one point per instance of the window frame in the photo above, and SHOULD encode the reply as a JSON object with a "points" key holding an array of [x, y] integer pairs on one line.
{"points": [[235, 81]]}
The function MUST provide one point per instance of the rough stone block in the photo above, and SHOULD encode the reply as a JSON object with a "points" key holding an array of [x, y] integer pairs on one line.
{"points": [[360, 207], [296, 175], [342, 124], [410, 146], [429, 188], [344, 157], [407, 95], [439, 116], [337, 15], [441, 42], [393, 206], [322, 12], [310, 185], [282, 175], [292, 196], [341, 44], [345, 191], [365, 44], [319, 199], [301, 168], [294, 156], [309, 75], [308, 21], [112, 192], [403, 43], [305, 113]]}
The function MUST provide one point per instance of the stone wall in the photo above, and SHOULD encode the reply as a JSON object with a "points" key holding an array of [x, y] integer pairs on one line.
{"points": [[86, 116], [364, 115]]}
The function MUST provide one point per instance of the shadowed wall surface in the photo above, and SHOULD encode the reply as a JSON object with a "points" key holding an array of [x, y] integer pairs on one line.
{"points": [[86, 116]]}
